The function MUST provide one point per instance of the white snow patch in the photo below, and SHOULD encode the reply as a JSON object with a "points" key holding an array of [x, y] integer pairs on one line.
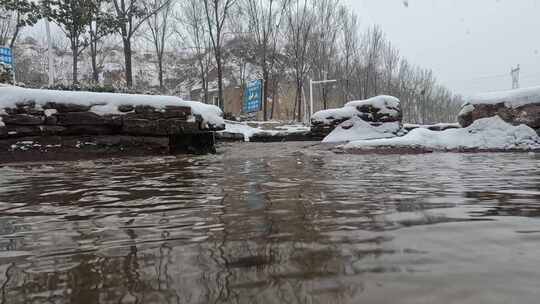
{"points": [[106, 103], [357, 129], [466, 109], [294, 128], [484, 134], [387, 105], [511, 98], [50, 112], [248, 131], [240, 128]]}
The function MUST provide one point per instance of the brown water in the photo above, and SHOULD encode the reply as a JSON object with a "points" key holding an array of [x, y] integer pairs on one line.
{"points": [[273, 223]]}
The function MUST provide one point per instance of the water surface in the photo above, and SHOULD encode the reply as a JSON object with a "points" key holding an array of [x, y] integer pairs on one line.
{"points": [[273, 223]]}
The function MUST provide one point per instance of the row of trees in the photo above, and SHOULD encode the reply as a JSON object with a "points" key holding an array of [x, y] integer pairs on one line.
{"points": [[290, 41]]}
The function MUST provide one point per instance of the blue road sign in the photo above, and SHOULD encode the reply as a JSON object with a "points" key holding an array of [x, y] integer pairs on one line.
{"points": [[6, 55], [253, 96]]}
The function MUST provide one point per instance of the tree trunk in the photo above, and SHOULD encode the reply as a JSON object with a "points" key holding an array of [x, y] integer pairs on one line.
{"points": [[14, 38], [265, 94], [93, 54], [204, 82], [299, 99], [16, 33], [75, 50], [275, 85], [325, 98], [160, 73], [127, 59], [220, 80]]}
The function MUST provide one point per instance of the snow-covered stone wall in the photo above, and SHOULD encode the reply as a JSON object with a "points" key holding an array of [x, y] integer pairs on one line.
{"points": [[44, 113]]}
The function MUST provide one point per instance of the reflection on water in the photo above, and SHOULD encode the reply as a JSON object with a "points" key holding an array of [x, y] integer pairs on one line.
{"points": [[272, 223]]}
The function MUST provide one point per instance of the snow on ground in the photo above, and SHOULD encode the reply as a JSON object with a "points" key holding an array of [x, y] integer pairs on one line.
{"points": [[484, 134], [387, 105], [240, 128], [511, 98], [292, 128], [358, 129], [248, 131], [440, 126], [105, 103]]}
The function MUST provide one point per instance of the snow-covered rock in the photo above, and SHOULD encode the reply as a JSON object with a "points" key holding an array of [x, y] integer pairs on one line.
{"points": [[358, 129], [516, 107], [12, 97], [486, 134], [375, 111]]}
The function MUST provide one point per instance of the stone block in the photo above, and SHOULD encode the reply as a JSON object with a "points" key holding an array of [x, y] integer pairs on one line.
{"points": [[66, 107], [23, 119], [87, 118]]}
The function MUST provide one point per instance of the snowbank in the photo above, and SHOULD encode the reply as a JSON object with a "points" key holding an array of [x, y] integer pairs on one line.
{"points": [[357, 129], [378, 109], [484, 134], [511, 98], [106, 103]]}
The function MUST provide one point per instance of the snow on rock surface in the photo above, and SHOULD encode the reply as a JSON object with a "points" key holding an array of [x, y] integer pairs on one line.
{"points": [[511, 98], [484, 134], [376, 110], [106, 103], [516, 107], [247, 129], [358, 129]]}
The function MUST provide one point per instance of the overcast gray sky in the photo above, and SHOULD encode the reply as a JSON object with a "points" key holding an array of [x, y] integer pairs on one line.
{"points": [[471, 45]]}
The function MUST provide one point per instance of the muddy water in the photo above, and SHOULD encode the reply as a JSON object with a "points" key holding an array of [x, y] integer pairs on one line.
{"points": [[273, 223]]}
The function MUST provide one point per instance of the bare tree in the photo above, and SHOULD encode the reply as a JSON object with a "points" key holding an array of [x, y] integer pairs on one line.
{"points": [[373, 43], [298, 34], [159, 31], [72, 17], [390, 61], [130, 15], [349, 47], [217, 12], [197, 38], [265, 18], [324, 42], [100, 24]]}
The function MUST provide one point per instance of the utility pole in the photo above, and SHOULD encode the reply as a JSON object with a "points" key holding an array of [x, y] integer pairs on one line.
{"points": [[515, 77], [311, 83]]}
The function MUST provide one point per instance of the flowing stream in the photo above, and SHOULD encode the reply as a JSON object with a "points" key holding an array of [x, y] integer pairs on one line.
{"points": [[273, 223]]}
